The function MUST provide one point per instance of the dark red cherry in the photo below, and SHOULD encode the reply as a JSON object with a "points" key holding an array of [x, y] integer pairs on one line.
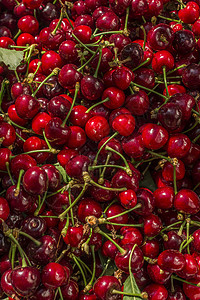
{"points": [[156, 291], [122, 179], [124, 124], [69, 75], [171, 260], [190, 269], [154, 136], [133, 145], [191, 291], [160, 37], [97, 128], [113, 210], [138, 103], [7, 134], [151, 248], [50, 60], [56, 132], [53, 275], [43, 293], [74, 236], [170, 117], [157, 274], [128, 199], [19, 201], [28, 24], [104, 286], [100, 194], [30, 282], [152, 225], [26, 106], [108, 21], [88, 207], [76, 166], [34, 226], [132, 55], [164, 197], [6, 284], [70, 291], [5, 154], [131, 236], [35, 181], [178, 145], [168, 169], [91, 87], [54, 177], [109, 249], [78, 116], [184, 41], [187, 201], [146, 199], [173, 240]]}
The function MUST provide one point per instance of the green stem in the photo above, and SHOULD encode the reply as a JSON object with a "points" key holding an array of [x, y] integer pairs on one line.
{"points": [[9, 174], [168, 227], [127, 225], [99, 62], [127, 294], [84, 265], [22, 253], [165, 81], [125, 212], [17, 76], [54, 72], [63, 214], [46, 140], [185, 244], [89, 60], [106, 267], [67, 16], [19, 182], [96, 104], [122, 157], [149, 90], [17, 34], [108, 32], [101, 176], [2, 91], [174, 180], [158, 155], [145, 37], [121, 250], [196, 139], [40, 205], [71, 210], [126, 21], [77, 87], [193, 126], [182, 280], [82, 44], [59, 22], [89, 285], [80, 268], [98, 152], [14, 248], [176, 69], [188, 233], [65, 228], [142, 64], [169, 19], [60, 293], [106, 188], [196, 186], [109, 166], [38, 243]]}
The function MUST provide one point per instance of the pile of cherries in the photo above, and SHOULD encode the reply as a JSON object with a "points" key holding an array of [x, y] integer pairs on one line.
{"points": [[100, 150]]}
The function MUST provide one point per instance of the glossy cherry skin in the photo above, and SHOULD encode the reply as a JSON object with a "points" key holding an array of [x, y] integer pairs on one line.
{"points": [[78, 116], [173, 240], [28, 24], [192, 292], [65, 155], [160, 37], [146, 199], [97, 128], [114, 144], [184, 41], [5, 264], [150, 248], [162, 59], [171, 260], [58, 107], [34, 226], [26, 106], [6, 284], [185, 102], [145, 77], [108, 21], [124, 124], [154, 136], [103, 287], [91, 87], [101, 195], [7, 134], [131, 236], [74, 236], [167, 171], [71, 290], [43, 293], [132, 54], [190, 269], [178, 145], [157, 275], [133, 145], [30, 282], [190, 13], [156, 291], [77, 165], [152, 225], [116, 97], [35, 181], [170, 117], [128, 199], [137, 260], [44, 253], [178, 294], [54, 177], [53, 275], [138, 103], [20, 202], [5, 154], [187, 201], [68, 76], [122, 179], [164, 197], [58, 201], [109, 249], [77, 137], [40, 121], [113, 210], [14, 116], [56, 133], [88, 207]]}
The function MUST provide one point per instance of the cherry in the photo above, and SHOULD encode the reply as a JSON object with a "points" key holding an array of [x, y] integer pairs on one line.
{"points": [[145, 77], [32, 4], [101, 195], [162, 59], [190, 269], [191, 291], [114, 210], [70, 291], [34, 226], [137, 260], [168, 169], [18, 89], [124, 124], [91, 87], [139, 8], [5, 32], [109, 249], [53, 275], [5, 264], [6, 284], [178, 145], [171, 260], [58, 201], [185, 102], [137, 103], [77, 165], [26, 106], [190, 13], [50, 60], [56, 132], [97, 128], [157, 275], [44, 253], [133, 146], [150, 248], [170, 117], [19, 200], [88, 207], [30, 282], [152, 225], [74, 236], [121, 179], [119, 40], [131, 236], [84, 20], [69, 75], [43, 293], [5, 42], [156, 291], [128, 199], [78, 116], [104, 286], [132, 55], [184, 41], [160, 37], [191, 72], [4, 209], [187, 201], [177, 294], [35, 181], [28, 24], [154, 136], [5, 154], [108, 22], [48, 12], [83, 33], [164, 197]]}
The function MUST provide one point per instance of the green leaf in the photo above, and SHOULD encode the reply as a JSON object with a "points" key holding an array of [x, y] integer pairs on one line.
{"points": [[129, 289], [11, 58], [62, 172], [148, 182]]}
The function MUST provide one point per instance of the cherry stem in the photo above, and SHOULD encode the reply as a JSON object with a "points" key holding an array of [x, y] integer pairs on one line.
{"points": [[40, 205], [89, 285], [128, 170], [59, 22], [125, 212], [106, 188], [60, 293], [84, 265], [87, 62], [145, 37], [17, 34], [121, 250], [38, 243], [70, 203], [129, 294], [99, 62], [54, 72], [171, 225], [106, 267], [2, 91], [181, 228], [80, 268], [77, 87], [165, 81], [63, 214], [127, 225], [142, 64], [108, 32], [19, 136], [14, 248], [82, 44], [174, 179], [104, 166], [196, 139], [96, 104], [185, 244], [102, 173], [110, 138], [65, 228], [108, 206], [182, 280], [158, 155], [67, 16], [196, 186], [176, 69], [193, 126], [149, 90], [187, 234], [169, 19], [126, 21], [9, 173], [129, 268], [46, 140], [19, 182]]}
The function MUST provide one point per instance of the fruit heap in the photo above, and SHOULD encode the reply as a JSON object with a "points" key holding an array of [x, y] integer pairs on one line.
{"points": [[100, 149]]}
